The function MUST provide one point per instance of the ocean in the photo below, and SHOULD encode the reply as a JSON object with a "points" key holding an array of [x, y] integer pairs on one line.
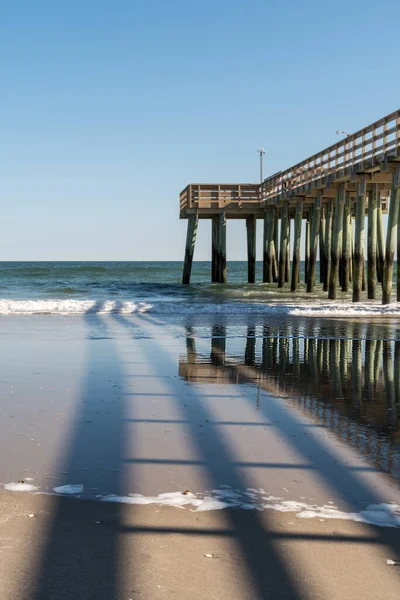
{"points": [[129, 287]]}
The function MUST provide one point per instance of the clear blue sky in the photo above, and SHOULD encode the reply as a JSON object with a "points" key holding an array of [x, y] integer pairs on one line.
{"points": [[108, 110]]}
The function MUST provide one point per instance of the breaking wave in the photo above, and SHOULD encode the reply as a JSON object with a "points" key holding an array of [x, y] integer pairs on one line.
{"points": [[180, 307]]}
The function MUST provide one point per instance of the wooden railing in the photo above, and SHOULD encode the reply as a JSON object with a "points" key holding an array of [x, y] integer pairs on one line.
{"points": [[363, 150], [204, 195]]}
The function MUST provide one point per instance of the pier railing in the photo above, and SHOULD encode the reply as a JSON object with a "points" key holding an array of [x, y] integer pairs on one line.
{"points": [[370, 147], [217, 196]]}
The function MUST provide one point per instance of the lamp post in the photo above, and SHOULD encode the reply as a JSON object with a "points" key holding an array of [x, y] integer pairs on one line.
{"points": [[261, 151], [341, 132]]}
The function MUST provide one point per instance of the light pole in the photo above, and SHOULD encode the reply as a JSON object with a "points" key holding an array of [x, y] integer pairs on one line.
{"points": [[341, 132], [261, 151]]}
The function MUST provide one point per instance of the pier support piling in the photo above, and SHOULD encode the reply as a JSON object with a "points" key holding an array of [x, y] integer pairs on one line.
{"points": [[315, 225], [307, 249], [392, 230], [189, 249], [328, 244], [380, 254], [336, 241], [346, 248], [283, 247], [296, 246], [222, 248], [287, 269], [267, 271], [275, 246], [359, 242], [251, 227], [322, 229], [372, 235]]}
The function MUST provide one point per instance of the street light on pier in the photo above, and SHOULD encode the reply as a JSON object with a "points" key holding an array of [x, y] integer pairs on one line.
{"points": [[261, 151], [340, 132]]}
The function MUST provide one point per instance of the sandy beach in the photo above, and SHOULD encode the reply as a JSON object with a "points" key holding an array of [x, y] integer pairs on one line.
{"points": [[125, 413]]}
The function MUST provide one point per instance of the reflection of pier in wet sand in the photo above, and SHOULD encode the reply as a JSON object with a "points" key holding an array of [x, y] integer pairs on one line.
{"points": [[349, 384]]}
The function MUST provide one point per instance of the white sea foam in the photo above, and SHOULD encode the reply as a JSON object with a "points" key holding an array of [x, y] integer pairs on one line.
{"points": [[69, 490], [382, 515], [292, 308], [70, 307], [20, 487]]}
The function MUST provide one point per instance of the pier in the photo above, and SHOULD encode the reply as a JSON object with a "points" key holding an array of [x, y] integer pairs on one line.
{"points": [[332, 201]]}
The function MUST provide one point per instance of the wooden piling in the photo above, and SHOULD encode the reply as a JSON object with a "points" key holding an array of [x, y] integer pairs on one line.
{"points": [[346, 249], [380, 248], [189, 249], [328, 244], [296, 246], [251, 226], [322, 228], [351, 234], [214, 248], [372, 231], [359, 241], [391, 237], [307, 249], [336, 241], [287, 268], [283, 247], [274, 254], [267, 271], [222, 248], [315, 225]]}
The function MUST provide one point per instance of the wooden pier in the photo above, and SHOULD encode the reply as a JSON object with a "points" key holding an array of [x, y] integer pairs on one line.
{"points": [[334, 192]]}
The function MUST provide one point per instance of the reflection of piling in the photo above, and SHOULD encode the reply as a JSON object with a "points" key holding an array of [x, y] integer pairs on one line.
{"points": [[356, 373], [250, 351], [388, 376], [218, 345]]}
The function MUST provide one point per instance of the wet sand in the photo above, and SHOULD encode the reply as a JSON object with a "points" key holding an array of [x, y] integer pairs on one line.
{"points": [[134, 405]]}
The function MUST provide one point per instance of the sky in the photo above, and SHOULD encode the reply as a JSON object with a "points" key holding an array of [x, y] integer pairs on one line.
{"points": [[109, 109]]}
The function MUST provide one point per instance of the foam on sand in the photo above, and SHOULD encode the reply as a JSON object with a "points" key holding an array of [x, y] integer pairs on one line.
{"points": [[70, 307], [382, 515], [69, 490], [20, 487]]}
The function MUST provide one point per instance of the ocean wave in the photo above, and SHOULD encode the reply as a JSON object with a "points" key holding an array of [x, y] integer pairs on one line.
{"points": [[310, 309], [70, 307]]}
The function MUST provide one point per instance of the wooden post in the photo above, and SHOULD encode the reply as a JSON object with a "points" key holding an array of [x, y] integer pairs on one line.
{"points": [[336, 241], [214, 248], [322, 228], [283, 247], [315, 224], [271, 274], [222, 248], [390, 237], [287, 268], [189, 250], [296, 245], [267, 247], [251, 226], [372, 227], [275, 245], [351, 233], [380, 255], [328, 244], [359, 241], [346, 253], [307, 249]]}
